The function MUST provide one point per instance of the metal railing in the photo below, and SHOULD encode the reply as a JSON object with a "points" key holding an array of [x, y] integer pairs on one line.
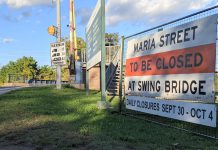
{"points": [[83, 56], [112, 68], [111, 51], [16, 78]]}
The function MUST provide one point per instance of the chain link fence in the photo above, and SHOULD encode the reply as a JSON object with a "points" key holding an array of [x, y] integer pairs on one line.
{"points": [[185, 126], [16, 78]]}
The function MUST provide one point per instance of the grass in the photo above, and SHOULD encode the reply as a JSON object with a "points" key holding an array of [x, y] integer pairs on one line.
{"points": [[44, 118]]}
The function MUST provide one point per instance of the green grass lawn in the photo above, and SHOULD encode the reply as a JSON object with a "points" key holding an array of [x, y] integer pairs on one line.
{"points": [[44, 118]]}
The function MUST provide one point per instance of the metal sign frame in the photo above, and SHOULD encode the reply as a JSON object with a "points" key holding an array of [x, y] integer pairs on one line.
{"points": [[208, 132], [98, 42]]}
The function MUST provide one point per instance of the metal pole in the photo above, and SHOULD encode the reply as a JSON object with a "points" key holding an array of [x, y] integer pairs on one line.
{"points": [[103, 52], [58, 71], [102, 104], [87, 71], [121, 74], [74, 30], [87, 82], [71, 43]]}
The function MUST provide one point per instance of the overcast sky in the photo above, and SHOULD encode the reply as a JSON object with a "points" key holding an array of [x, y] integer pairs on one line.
{"points": [[23, 23]]}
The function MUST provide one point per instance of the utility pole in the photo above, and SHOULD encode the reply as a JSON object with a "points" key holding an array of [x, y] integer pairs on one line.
{"points": [[58, 69], [73, 41]]}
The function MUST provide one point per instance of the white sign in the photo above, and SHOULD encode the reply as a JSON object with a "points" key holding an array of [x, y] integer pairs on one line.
{"points": [[93, 36], [198, 113], [176, 63], [78, 66], [178, 87], [58, 54]]}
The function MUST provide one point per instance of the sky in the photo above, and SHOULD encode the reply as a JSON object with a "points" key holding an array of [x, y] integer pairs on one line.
{"points": [[24, 23]]}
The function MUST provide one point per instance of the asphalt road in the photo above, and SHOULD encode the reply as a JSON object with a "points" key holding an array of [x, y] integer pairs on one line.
{"points": [[4, 90]]}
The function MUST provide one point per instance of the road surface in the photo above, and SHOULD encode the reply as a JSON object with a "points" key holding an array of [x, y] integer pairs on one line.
{"points": [[4, 90]]}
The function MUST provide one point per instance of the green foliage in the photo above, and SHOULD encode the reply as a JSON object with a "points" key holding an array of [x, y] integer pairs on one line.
{"points": [[111, 39], [81, 44], [25, 66], [49, 73], [65, 74], [3, 75], [46, 73]]}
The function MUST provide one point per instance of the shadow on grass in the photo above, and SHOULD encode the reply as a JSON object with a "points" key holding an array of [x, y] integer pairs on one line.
{"points": [[45, 118]]}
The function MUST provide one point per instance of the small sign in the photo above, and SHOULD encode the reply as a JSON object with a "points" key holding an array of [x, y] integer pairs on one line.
{"points": [[198, 113], [58, 54]]}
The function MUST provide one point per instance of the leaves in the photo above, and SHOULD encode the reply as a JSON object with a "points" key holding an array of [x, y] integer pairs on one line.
{"points": [[26, 67], [46, 73], [111, 39]]}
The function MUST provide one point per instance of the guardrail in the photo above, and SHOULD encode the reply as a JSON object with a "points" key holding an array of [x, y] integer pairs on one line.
{"points": [[46, 82]]}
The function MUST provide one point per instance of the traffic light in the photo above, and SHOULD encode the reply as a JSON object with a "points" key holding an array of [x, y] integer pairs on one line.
{"points": [[52, 30]]}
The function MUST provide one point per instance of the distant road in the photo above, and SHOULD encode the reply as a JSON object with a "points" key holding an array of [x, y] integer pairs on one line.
{"points": [[4, 90], [39, 83]]}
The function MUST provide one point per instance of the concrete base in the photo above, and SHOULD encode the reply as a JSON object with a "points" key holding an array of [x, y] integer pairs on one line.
{"points": [[103, 105]]}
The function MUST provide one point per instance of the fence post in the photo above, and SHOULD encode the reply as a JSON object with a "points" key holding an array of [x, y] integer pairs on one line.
{"points": [[121, 74], [87, 71]]}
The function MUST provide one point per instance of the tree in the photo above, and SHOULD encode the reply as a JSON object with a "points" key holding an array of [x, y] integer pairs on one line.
{"points": [[10, 68], [46, 73], [65, 74], [81, 44], [3, 75], [25, 66]]}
